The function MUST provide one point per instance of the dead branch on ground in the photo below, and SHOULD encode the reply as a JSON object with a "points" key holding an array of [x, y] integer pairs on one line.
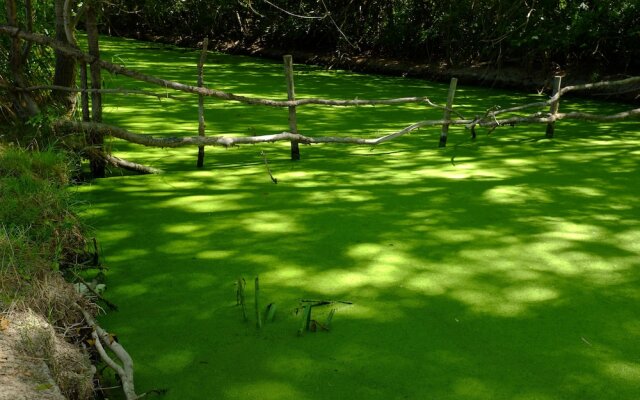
{"points": [[102, 338]]}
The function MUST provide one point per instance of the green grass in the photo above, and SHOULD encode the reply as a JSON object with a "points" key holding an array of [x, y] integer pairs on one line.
{"points": [[38, 227], [505, 268]]}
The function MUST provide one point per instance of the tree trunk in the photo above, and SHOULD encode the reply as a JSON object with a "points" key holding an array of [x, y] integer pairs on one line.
{"points": [[95, 139], [65, 72], [23, 103]]}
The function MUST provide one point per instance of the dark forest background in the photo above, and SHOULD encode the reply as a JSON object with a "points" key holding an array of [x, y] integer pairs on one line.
{"points": [[599, 37]]}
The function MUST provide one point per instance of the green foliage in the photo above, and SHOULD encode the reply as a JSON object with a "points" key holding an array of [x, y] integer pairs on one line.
{"points": [[38, 227], [602, 34], [39, 63]]}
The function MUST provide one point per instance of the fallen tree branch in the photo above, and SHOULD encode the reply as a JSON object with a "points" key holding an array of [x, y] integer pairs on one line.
{"points": [[124, 371], [229, 141], [121, 163], [93, 291], [566, 89], [121, 70], [159, 96], [598, 85]]}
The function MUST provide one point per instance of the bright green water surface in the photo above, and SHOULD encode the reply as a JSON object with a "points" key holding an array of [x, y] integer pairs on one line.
{"points": [[505, 268]]}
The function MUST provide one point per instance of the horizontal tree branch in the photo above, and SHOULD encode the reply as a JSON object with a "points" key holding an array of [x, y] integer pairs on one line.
{"points": [[121, 70], [587, 86], [80, 90], [119, 162], [228, 141], [599, 85]]}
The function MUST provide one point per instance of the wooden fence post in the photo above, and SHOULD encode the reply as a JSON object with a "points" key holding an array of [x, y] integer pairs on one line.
{"points": [[291, 95], [201, 124], [553, 110], [447, 112]]}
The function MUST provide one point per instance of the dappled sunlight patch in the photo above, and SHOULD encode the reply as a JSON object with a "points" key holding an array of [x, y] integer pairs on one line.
{"points": [[287, 275], [128, 254], [516, 194], [182, 228], [629, 240], [429, 284], [206, 203], [338, 195], [366, 251], [583, 191], [625, 371], [483, 300], [463, 235], [529, 294], [265, 389], [177, 246], [269, 222], [215, 254]]}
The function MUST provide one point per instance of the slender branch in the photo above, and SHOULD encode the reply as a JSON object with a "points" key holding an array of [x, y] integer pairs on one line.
{"points": [[292, 14], [599, 85], [114, 90]]}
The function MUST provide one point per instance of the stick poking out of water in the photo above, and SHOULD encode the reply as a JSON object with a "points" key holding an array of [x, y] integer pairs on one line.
{"points": [[266, 164]]}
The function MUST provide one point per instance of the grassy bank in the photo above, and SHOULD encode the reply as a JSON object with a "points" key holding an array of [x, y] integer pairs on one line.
{"points": [[40, 235], [501, 268]]}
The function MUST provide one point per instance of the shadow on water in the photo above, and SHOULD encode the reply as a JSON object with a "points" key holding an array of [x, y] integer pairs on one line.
{"points": [[505, 268]]}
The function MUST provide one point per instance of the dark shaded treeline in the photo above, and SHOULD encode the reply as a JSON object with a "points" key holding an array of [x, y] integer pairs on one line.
{"points": [[595, 38]]}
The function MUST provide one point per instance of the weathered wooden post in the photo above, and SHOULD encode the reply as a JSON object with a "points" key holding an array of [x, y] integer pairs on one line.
{"points": [[201, 124], [447, 112], [553, 109], [291, 95]]}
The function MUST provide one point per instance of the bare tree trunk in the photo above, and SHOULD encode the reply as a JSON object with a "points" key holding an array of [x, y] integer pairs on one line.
{"points": [[65, 72], [23, 102], [95, 139]]}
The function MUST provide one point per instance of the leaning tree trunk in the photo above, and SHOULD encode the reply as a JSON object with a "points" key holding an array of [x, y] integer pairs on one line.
{"points": [[95, 139], [65, 72]]}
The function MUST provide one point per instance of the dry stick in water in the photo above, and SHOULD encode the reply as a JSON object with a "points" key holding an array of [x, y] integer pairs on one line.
{"points": [[257, 301], [241, 283], [266, 164], [124, 371]]}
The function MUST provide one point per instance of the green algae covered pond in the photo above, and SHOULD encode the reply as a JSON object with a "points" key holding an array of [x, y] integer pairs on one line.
{"points": [[502, 268]]}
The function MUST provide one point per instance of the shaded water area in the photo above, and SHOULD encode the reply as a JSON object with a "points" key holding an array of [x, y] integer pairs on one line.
{"points": [[502, 268]]}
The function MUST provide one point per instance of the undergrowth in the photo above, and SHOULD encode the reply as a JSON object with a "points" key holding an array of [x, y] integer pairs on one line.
{"points": [[40, 236], [39, 231]]}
